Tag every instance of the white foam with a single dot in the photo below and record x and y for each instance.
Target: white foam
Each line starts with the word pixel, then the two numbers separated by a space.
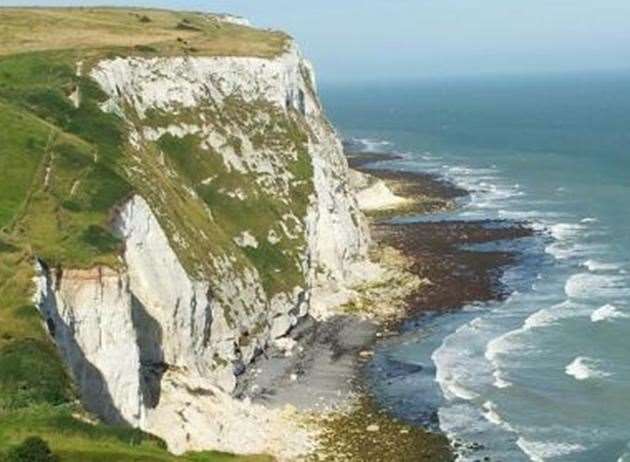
pixel 583 368
pixel 499 381
pixel 589 220
pixel 371 145
pixel 549 316
pixel 503 345
pixel 507 342
pixel 519 214
pixel 540 318
pixel 458 170
pixel 564 231
pixel 539 451
pixel 607 312
pixel 449 374
pixel 594 265
pixel 500 345
pixel 566 244
pixel 491 414
pixel 562 251
pixel 589 285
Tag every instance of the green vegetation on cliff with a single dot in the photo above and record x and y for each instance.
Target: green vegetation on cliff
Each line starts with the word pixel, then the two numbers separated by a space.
pixel 65 168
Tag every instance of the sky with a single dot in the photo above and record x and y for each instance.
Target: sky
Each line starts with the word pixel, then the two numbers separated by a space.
pixel 350 40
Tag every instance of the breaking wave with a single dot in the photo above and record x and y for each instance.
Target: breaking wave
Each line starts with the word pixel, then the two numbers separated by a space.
pixel 589 285
pixel 583 368
pixel 607 312
pixel 539 451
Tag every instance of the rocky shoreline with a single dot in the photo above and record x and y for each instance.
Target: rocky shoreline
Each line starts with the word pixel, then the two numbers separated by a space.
pixel 453 272
pixel 320 371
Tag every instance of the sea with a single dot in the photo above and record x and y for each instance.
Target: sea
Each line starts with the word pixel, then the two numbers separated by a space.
pixel 543 375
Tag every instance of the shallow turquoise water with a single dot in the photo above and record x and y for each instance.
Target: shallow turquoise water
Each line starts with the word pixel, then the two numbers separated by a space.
pixel 544 375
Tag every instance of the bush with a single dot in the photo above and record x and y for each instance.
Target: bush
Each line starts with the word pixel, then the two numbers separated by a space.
pixel 101 239
pixel 31 374
pixel 145 49
pixel 32 449
pixel 185 24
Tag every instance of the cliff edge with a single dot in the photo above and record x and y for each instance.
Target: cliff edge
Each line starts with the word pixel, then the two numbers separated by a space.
pixel 176 202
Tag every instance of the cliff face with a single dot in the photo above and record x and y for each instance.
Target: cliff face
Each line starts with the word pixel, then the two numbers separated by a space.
pixel 241 218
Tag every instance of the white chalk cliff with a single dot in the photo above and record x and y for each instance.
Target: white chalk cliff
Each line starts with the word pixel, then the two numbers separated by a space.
pixel 159 341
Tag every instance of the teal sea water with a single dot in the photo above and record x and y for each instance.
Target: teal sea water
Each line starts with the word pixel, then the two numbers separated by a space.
pixel 545 374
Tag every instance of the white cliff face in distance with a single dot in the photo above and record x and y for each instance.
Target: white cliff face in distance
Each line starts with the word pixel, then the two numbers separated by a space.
pixel 157 343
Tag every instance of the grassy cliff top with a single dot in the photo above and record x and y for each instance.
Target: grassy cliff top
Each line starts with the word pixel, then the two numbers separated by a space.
pixel 161 31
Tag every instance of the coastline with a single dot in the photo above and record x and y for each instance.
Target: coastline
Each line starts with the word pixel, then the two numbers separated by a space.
pixel 324 374
pixel 447 255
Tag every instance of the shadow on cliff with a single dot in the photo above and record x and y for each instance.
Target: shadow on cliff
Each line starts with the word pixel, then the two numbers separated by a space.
pixel 149 340
pixel 91 383
pixel 93 389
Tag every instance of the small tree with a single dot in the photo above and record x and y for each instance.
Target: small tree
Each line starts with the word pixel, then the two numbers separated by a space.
pixel 32 449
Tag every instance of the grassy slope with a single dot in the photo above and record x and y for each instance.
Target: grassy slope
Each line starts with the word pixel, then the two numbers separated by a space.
pixel 35 29
pixel 62 170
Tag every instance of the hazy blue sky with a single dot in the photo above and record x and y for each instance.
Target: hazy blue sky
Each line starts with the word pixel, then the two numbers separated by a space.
pixel 375 39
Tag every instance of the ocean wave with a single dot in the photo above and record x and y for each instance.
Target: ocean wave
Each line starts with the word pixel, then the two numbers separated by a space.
pixel 583 368
pixel 589 220
pixel 369 144
pixel 449 375
pixel 491 414
pixel 594 265
pixel 499 381
pixel 589 285
pixel 539 451
pixel 562 251
pixel 459 170
pixel 607 312
pixel 509 342
pixel 515 214
pixel 542 318
pixel 564 231
pixel 549 316
pixel 505 344
pixel 566 241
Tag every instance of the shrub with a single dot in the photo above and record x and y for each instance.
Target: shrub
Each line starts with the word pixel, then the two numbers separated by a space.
pixel 29 376
pixel 32 449
pixel 185 24
pixel 101 239
pixel 145 49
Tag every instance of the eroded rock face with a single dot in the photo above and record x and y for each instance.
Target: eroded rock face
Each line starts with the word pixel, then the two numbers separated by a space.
pixel 189 88
pixel 141 344
pixel 89 314
pixel 158 342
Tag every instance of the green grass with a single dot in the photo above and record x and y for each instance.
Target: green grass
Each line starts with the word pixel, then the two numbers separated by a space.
pixel 76 440
pixel 20 385
pixel 22 134
pixel 37 29
pixel 62 164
